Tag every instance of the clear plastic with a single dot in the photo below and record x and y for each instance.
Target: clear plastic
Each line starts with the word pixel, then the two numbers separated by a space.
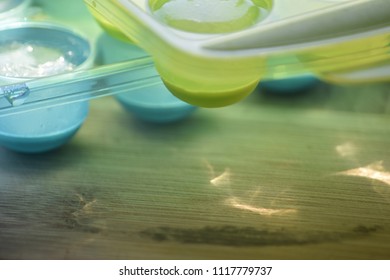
pixel 78 86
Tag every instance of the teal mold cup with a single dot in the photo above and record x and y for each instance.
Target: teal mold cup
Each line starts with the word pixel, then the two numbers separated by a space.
pixel 153 104
pixel 290 85
pixel 33 50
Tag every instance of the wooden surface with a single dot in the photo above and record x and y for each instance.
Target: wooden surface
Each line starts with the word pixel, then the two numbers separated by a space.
pixel 273 177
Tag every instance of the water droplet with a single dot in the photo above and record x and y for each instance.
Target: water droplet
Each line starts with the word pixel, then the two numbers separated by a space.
pixel 15 94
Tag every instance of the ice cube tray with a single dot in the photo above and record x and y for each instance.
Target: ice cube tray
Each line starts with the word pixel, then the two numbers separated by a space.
pixel 29 50
pixel 210 64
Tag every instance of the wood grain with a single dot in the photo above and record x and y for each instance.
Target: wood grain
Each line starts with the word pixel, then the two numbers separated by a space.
pixel 273 177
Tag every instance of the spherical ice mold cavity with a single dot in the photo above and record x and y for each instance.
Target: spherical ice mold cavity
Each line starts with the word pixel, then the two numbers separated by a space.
pixel 30 50
pixel 290 85
pixel 213 59
pixel 155 104
pixel 42 130
pixel 151 104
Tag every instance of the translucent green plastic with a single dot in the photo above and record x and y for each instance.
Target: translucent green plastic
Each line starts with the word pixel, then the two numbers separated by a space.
pixel 210 66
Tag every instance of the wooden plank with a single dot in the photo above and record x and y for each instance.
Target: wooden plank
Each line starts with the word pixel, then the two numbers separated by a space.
pixel 273 177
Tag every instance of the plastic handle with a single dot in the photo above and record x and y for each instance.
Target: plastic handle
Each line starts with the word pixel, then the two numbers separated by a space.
pixel 78 86
pixel 352 17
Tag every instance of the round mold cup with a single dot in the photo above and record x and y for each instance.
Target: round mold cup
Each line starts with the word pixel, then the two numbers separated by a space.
pixel 31 50
pixel 155 104
pixel 289 85
pixel 13 9
pixel 198 78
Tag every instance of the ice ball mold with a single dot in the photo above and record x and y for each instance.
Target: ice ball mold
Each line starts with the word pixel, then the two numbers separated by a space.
pixel 45 49
pixel 218 68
